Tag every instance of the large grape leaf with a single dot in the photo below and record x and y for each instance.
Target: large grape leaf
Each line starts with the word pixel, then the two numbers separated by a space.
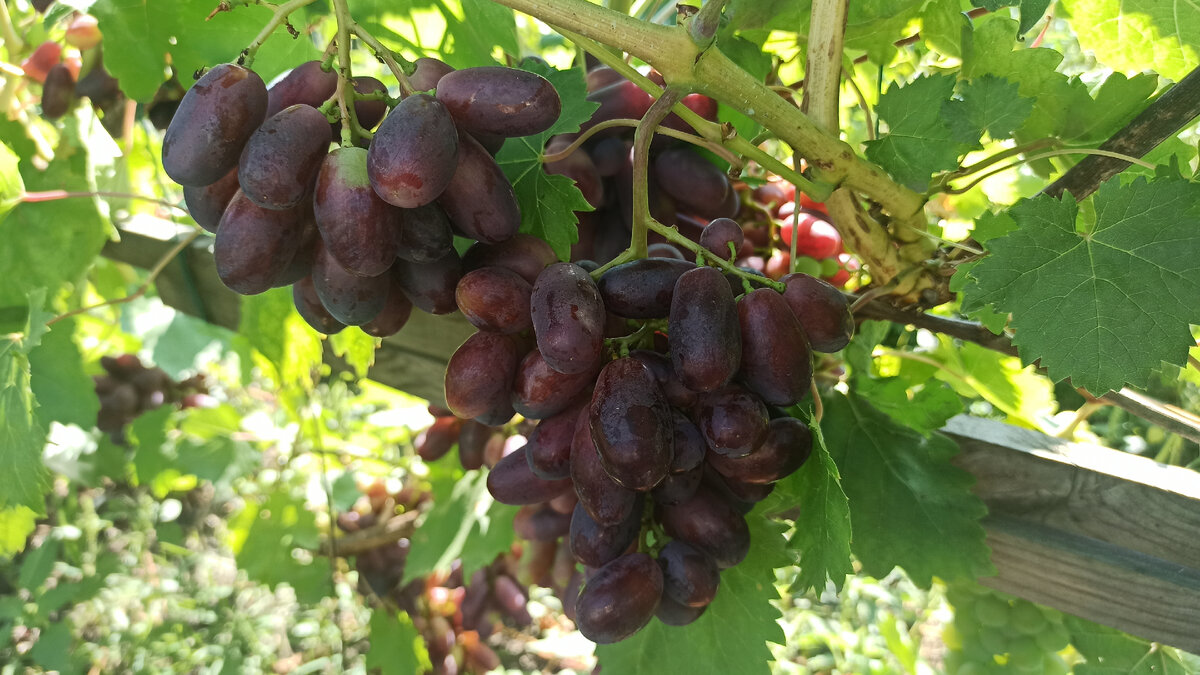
pixel 264 538
pixel 153 33
pixel 548 203
pixel 465 523
pixel 270 325
pixel 731 636
pixel 990 104
pixel 1111 652
pixel 919 141
pixel 22 433
pixel 1134 36
pixel 926 408
pixel 64 391
pixel 815 497
pixel 992 49
pixel 396 646
pixel 910 506
pixel 1105 302
pixel 48 243
pixel 1115 102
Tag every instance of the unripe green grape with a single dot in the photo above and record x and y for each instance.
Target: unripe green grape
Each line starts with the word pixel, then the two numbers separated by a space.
pixel 1025 654
pixel 806 265
pixel 994 641
pixel 830 267
pixel 1027 619
pixel 1054 638
pixel 992 611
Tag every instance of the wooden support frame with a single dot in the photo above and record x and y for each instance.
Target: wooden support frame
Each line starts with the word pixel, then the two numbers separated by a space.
pixel 1094 532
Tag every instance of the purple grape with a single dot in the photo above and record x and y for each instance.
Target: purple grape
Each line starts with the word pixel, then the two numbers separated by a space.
pixel 499 101
pixel 414 154
pixel 212 124
pixel 568 318
pixel 620 599
pixel 642 289
pixel 631 424
pixel 480 373
pixel 511 482
pixel 281 159
pixel 359 228
pixel 706 341
pixel 776 360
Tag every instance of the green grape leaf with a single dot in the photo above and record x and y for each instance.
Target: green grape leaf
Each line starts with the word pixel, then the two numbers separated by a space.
pixel 988 104
pixel 549 202
pixel 1132 37
pixel 465 522
pixel 22 433
pixel 731 636
pixel 1126 288
pixel 989 50
pixel 919 143
pixel 63 390
pixel 1111 652
pixel 910 506
pixel 270 325
pixel 942 26
pixel 357 348
pixel 49 243
pixel 813 495
pixel 149 31
pixel 396 646
pixel 756 14
pixel 1117 101
pixel 484 24
pixel 16 524
pixel 925 408
pixel 11 185
pixel 1016 390
pixel 1031 10
pixel 873 26
pixel 271 532
pixel 38 564
pixel 53 651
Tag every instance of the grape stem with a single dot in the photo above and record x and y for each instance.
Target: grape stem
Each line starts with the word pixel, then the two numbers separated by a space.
pixel 622 345
pixel 1046 155
pixel 277 19
pixel 141 290
pixel 1026 148
pixel 389 58
pixel 53 195
pixel 345 86
pixel 715 148
pixel 711 131
pixel 641 167
pixel 673 236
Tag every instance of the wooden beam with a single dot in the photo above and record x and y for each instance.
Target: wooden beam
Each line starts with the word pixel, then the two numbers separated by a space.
pixel 1102 534
pixel 1091 531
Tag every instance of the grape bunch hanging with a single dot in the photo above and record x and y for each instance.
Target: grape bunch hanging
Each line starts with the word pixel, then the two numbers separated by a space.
pixel 361 234
pixel 660 387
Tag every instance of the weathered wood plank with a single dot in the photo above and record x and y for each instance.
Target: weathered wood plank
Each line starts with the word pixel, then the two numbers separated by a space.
pixel 1091 531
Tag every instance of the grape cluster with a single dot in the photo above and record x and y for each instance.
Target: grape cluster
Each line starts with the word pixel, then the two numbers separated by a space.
pixel 362 234
pixel 660 397
pixel 128 388
pixel 997 633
